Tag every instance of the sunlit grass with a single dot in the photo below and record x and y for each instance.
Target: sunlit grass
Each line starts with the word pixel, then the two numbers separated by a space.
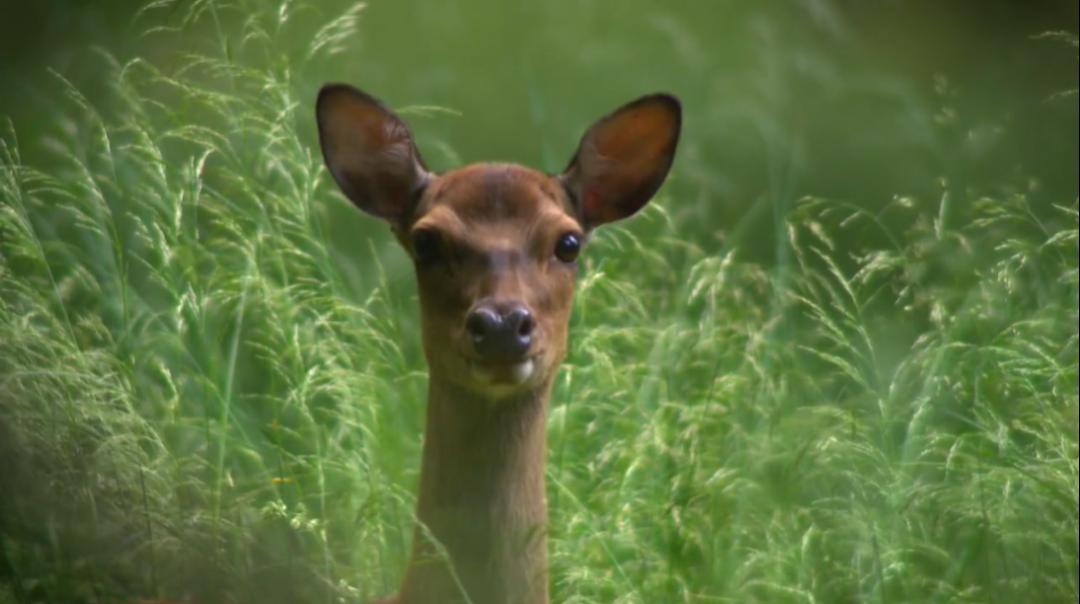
pixel 202 396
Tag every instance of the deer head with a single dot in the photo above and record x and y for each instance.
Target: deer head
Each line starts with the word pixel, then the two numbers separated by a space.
pixel 495 246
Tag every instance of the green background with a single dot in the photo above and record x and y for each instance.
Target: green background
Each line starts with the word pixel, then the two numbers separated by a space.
pixel 835 359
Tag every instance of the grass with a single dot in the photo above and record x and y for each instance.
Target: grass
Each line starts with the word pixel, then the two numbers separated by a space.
pixel 211 386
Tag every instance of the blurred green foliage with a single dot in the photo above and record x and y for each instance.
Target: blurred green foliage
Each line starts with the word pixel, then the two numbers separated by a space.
pixel 835 360
pixel 855 101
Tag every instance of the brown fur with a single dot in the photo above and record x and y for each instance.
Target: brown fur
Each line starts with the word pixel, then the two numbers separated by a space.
pixel 501 223
pixel 481 498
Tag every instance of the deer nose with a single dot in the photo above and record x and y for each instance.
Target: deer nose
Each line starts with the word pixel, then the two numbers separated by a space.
pixel 500 335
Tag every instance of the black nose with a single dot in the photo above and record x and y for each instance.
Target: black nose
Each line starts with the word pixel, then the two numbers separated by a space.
pixel 500 334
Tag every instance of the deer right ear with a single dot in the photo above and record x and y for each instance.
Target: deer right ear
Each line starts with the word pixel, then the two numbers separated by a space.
pixel 369 152
pixel 623 158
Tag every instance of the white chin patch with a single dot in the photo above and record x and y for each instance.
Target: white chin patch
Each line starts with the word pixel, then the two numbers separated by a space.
pixel 506 377
pixel 522 371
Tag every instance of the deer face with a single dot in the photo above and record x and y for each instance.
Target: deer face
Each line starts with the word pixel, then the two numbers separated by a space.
pixel 495 246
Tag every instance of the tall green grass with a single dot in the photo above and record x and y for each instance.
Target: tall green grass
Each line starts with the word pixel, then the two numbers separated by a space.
pixel 206 395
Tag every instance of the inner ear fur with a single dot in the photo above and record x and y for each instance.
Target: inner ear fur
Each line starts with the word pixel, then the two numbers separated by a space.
pixel 369 152
pixel 623 159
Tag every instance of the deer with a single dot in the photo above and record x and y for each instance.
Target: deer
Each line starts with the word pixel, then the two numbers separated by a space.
pixel 495 248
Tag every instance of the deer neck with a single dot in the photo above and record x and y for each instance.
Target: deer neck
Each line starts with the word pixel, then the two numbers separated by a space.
pixel 482 498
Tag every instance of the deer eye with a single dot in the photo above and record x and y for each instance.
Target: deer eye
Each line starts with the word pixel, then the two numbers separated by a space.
pixel 567 247
pixel 426 247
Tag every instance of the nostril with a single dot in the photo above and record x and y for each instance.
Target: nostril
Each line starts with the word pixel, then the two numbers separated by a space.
pixel 525 325
pixel 521 325
pixel 481 323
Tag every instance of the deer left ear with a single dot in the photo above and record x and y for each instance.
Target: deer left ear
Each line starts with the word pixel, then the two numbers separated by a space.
pixel 623 159
pixel 370 152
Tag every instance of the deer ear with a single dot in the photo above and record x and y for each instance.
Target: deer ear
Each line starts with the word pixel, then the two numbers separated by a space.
pixel 623 158
pixel 369 152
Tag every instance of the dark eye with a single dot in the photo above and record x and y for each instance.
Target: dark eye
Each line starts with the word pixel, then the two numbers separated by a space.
pixel 567 247
pixel 427 247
